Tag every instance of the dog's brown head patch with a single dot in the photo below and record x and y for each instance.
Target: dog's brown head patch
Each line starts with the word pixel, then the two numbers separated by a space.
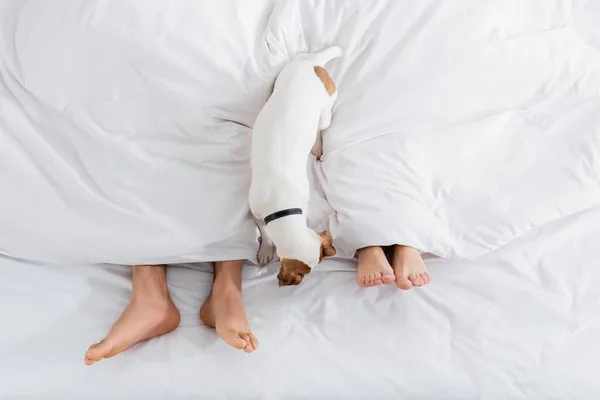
pixel 292 272
pixel 326 79
pixel 327 249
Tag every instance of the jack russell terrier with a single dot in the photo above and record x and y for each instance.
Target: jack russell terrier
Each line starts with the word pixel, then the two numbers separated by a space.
pixel 284 133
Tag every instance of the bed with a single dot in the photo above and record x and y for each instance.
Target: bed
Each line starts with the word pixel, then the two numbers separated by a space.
pixel 520 323
pixel 469 130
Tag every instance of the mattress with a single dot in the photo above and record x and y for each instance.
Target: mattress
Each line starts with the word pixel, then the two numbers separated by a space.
pixel 520 323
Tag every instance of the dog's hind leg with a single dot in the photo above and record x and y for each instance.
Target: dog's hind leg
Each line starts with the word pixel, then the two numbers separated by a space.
pixel 266 250
pixel 325 117
pixel 317 148
pixel 324 122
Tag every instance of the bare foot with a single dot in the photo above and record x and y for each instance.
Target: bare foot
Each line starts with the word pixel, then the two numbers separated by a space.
pixel 373 267
pixel 223 309
pixel 150 313
pixel 409 268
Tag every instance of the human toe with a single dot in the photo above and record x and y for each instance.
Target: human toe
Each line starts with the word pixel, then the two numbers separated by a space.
pixel 362 281
pixel 248 345
pixel 415 279
pixel 403 283
pixel 253 340
pixel 97 352
pixel 234 340
pixel 372 279
pixel 388 278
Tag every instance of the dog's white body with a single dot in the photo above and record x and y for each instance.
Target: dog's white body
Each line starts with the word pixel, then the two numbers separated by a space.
pixel 284 133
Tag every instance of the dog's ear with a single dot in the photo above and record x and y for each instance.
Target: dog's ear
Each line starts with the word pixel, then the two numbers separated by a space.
pixel 291 272
pixel 327 249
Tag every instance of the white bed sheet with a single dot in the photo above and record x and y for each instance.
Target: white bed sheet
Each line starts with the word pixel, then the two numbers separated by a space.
pixel 520 323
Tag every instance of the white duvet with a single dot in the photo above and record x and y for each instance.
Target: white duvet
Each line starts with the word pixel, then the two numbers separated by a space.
pixel 125 126
pixel 461 125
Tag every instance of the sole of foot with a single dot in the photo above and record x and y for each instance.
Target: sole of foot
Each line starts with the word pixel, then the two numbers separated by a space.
pixel 409 268
pixel 373 267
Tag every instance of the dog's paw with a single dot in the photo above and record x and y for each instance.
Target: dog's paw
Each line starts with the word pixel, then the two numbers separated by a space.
pixel 266 253
pixel 317 150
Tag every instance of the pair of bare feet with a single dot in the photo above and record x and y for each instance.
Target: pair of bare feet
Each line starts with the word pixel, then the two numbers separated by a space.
pixel 407 268
pixel 152 313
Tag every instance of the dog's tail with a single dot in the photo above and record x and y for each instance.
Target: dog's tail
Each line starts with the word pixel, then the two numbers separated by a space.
pixel 326 55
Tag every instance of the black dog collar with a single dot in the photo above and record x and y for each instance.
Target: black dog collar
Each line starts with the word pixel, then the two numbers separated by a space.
pixel 282 213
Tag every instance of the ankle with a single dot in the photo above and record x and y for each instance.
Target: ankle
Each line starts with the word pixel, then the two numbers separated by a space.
pixel 403 248
pixel 223 287
pixel 148 272
pixel 369 250
pixel 149 285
